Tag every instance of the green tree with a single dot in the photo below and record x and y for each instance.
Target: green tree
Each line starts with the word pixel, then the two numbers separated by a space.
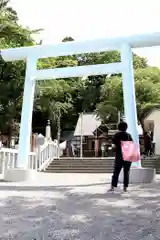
pixel 86 92
pixel 11 89
pixel 12 34
pixel 54 98
pixel 92 92
pixel 69 114
pixel 11 73
pixel 147 94
pixel 7 12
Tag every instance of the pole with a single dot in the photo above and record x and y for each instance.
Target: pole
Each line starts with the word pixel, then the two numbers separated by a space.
pixel 119 116
pixel 59 132
pixel 96 143
pixel 81 146
pixel 129 95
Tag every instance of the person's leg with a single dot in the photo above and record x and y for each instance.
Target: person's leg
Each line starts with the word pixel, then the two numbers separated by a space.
pixel 116 172
pixel 150 150
pixel 145 151
pixel 126 170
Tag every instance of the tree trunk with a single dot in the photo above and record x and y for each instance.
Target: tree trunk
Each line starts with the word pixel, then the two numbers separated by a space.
pixel 142 125
pixel 9 136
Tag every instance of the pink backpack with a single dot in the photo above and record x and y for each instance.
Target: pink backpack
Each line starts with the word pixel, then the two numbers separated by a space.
pixel 130 151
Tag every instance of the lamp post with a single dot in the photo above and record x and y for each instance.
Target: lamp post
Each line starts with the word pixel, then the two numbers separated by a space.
pixel 119 116
pixel 59 131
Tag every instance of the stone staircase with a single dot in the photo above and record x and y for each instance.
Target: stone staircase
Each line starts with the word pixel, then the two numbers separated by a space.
pixel 152 162
pixel 85 165
pixel 93 165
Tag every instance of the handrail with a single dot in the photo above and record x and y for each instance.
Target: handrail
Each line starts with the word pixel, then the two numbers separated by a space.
pixel 9 157
pixel 37 160
pixel 47 154
pixel 8 150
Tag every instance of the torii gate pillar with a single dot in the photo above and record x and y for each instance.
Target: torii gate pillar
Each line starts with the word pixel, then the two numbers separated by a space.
pixel 27 109
pixel 129 98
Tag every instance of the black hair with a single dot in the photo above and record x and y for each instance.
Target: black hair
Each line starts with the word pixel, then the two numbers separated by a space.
pixel 122 126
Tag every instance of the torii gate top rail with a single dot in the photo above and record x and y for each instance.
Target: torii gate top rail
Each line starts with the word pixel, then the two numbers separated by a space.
pixel 70 48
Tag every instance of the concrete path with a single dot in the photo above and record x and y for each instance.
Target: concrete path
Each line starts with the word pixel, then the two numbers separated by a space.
pixel 77 206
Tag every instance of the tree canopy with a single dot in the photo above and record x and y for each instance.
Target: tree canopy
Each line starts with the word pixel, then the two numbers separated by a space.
pixel 147 87
pixel 11 74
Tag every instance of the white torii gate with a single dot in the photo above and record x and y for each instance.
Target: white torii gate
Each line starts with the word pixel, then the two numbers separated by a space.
pixel 33 53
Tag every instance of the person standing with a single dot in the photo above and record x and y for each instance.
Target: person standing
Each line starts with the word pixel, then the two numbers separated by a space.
pixel 147 144
pixel 119 163
pixel 74 150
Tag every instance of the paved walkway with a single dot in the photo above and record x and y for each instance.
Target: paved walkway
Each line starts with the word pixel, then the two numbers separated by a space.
pixel 77 206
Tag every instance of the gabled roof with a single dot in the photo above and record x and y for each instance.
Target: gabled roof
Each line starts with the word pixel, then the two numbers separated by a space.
pixel 89 122
pixel 149 111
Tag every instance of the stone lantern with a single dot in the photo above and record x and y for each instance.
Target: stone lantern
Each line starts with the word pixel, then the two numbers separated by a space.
pixel 48 131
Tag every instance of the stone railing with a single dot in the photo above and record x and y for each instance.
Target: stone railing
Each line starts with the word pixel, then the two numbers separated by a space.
pixel 46 153
pixel 9 157
pixel 37 160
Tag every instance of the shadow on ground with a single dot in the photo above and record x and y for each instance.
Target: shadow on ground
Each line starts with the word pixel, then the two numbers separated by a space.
pixel 84 212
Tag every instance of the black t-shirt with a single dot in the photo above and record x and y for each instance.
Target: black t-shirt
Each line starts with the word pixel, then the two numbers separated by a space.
pixel 117 138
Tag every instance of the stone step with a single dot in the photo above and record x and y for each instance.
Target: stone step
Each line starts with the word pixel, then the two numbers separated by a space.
pixel 92 166
pixel 80 167
pixel 73 167
pixel 89 166
pixel 82 170
pixel 84 161
pixel 102 158
pixel 152 164
pixel 78 164
pixel 98 162
pixel 81 164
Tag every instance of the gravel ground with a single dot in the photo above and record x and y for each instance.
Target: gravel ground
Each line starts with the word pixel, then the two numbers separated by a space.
pixel 77 206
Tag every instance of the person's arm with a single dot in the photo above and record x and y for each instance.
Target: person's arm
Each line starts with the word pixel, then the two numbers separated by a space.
pixel 113 145
pixel 114 141
pixel 130 138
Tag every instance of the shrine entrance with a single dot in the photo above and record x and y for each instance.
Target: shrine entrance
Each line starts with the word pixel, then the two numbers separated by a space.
pixel 33 53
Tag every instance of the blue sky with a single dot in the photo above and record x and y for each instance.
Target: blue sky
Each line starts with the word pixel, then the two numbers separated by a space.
pixel 92 19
